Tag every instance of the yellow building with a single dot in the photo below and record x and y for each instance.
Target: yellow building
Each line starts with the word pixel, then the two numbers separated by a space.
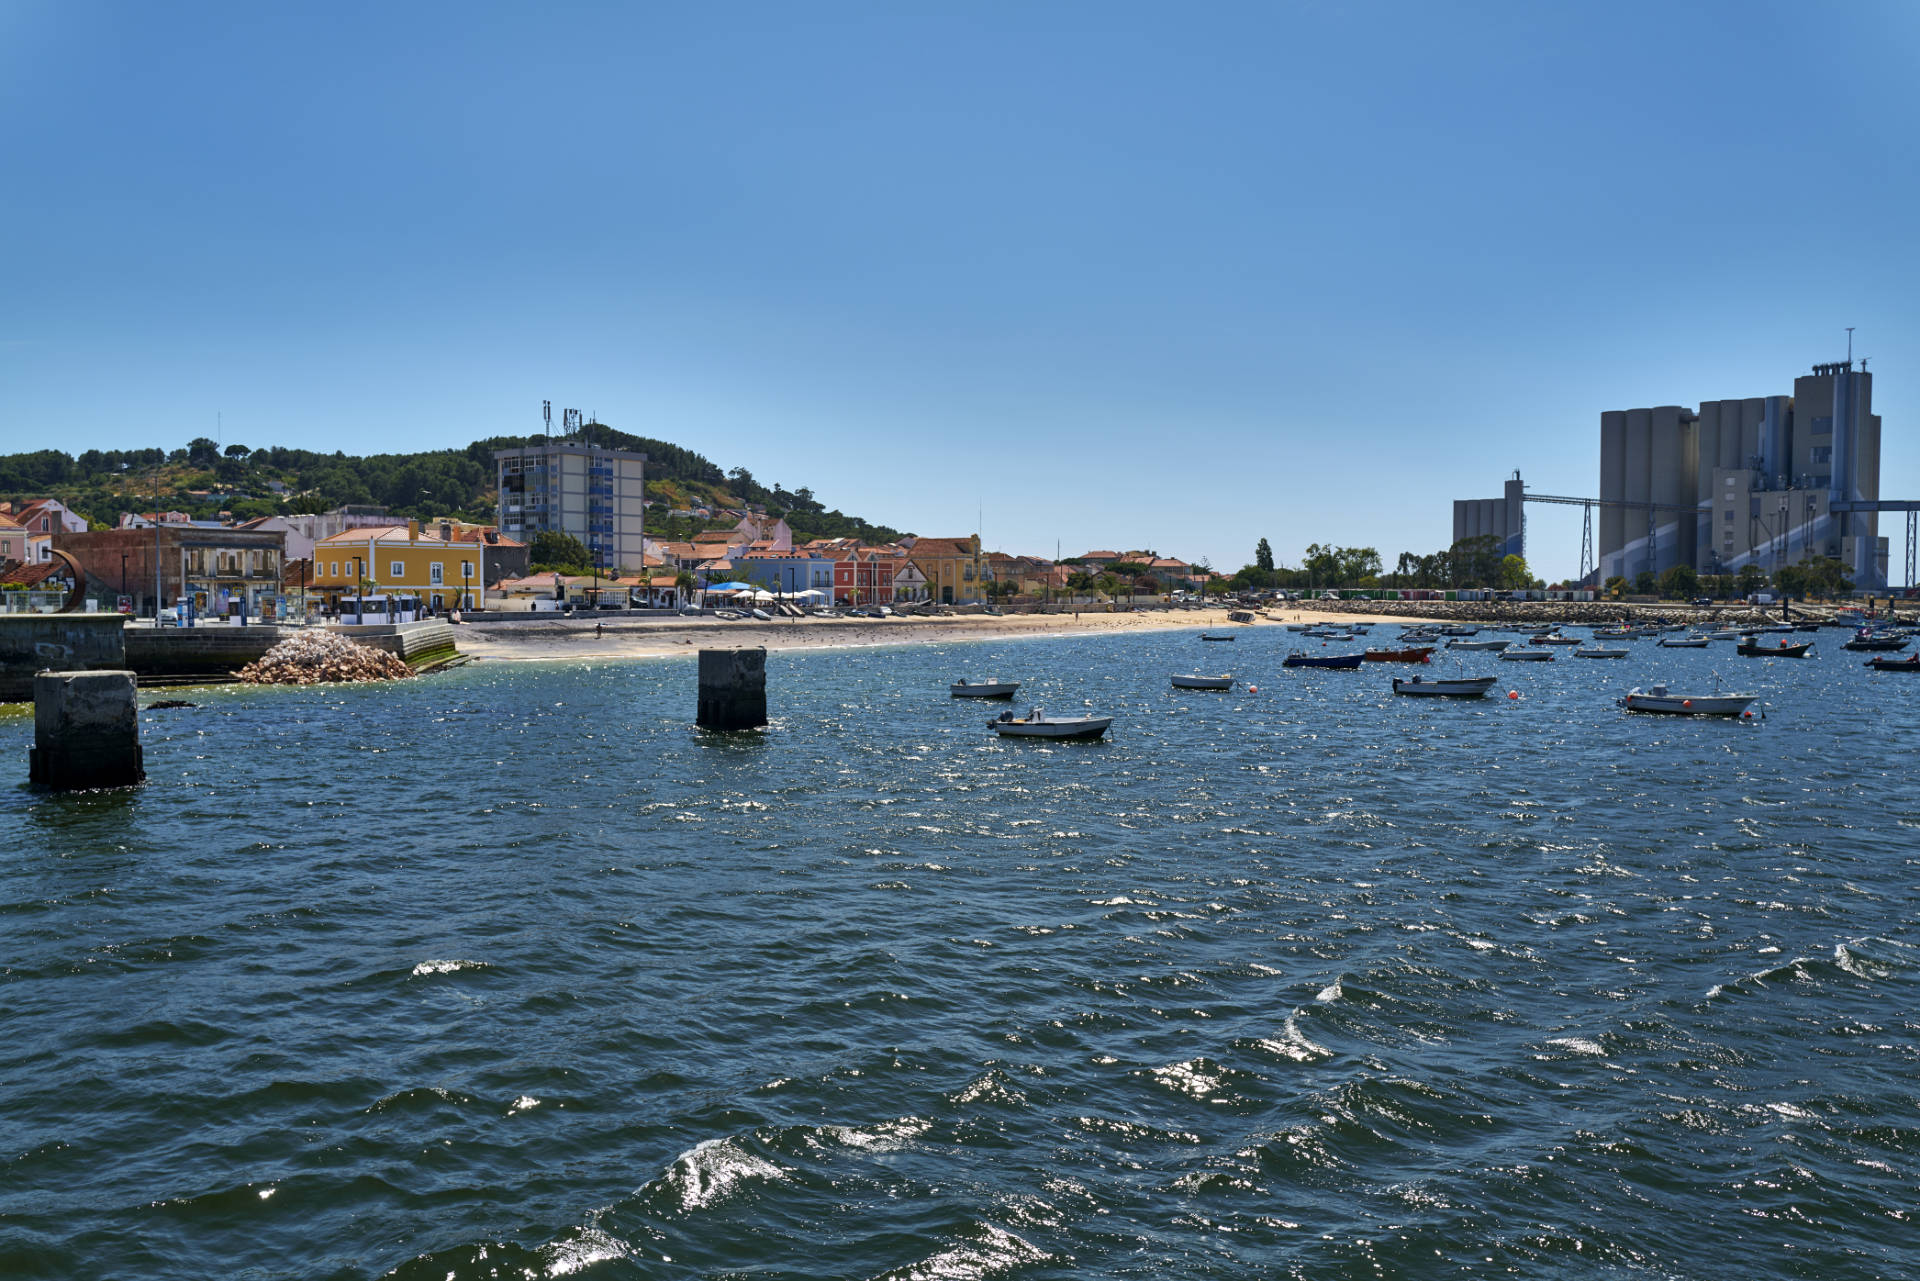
pixel 398 559
pixel 955 570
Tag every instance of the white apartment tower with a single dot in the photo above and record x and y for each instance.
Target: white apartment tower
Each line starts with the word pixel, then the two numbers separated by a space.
pixel 597 495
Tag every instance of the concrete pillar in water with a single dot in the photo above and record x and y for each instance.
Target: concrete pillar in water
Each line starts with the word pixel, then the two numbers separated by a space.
pixel 86 731
pixel 733 689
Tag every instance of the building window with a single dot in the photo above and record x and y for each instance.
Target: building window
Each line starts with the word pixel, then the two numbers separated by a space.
pixel 1823 453
pixel 1823 426
pixel 333 569
pixel 1729 515
pixel 466 569
pixel 436 574
pixel 397 570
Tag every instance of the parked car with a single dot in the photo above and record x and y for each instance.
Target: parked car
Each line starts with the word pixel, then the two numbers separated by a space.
pixel 1703 601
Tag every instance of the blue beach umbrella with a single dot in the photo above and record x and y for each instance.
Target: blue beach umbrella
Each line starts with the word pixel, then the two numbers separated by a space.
pixel 729 587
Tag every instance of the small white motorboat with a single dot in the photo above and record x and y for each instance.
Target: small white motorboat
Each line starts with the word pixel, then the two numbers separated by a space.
pixel 1554 638
pixel 1658 698
pixel 1455 687
pixel 1036 724
pixel 1203 682
pixel 1726 633
pixel 1599 651
pixel 1525 655
pixel 964 688
pixel 1489 646
pixel 1684 642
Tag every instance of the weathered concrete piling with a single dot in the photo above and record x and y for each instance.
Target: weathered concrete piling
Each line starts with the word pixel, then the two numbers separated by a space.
pixel 733 689
pixel 86 731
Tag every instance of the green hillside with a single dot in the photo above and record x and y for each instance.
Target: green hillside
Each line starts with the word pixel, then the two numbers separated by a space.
pixel 204 480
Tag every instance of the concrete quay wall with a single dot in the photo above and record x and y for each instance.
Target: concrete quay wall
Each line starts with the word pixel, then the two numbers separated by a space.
pixel 199 651
pixel 31 643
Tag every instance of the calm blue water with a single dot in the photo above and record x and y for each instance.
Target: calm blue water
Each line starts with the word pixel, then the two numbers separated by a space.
pixel 511 973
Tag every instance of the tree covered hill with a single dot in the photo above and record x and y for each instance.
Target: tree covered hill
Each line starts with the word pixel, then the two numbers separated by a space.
pixel 204 480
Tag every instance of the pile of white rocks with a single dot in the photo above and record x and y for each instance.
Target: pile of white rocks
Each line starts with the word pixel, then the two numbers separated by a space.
pixel 318 658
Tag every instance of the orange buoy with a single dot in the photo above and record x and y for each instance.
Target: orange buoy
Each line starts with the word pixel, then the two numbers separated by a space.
pixel 1513 693
pixel 1253 689
pixel 1686 702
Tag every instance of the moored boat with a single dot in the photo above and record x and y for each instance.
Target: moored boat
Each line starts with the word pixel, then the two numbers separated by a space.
pixel 1658 698
pixel 1489 646
pixel 1333 662
pixel 1209 636
pixel 1599 651
pixel 1203 682
pixel 1445 687
pixel 964 688
pixel 1525 655
pixel 1877 642
pixel 1411 654
pixel 1911 663
pixel 1554 638
pixel 1684 642
pixel 1036 724
pixel 1751 647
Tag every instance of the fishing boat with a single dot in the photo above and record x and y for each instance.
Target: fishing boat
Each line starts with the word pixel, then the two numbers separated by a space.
pixel 1684 642
pixel 1459 629
pixel 1444 687
pixel 1725 634
pixel 1869 642
pixel 1525 655
pixel 1412 654
pixel 1911 663
pixel 1554 638
pixel 964 688
pixel 1479 645
pixel 1036 724
pixel 1659 698
pixel 1751 647
pixel 1333 662
pixel 1613 633
pixel 1599 651
pixel 1209 636
pixel 1203 682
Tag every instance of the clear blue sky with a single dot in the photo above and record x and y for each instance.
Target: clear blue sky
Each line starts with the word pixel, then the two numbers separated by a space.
pixel 1167 275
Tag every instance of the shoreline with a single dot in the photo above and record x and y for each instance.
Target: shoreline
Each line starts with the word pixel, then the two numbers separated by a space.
pixel 658 638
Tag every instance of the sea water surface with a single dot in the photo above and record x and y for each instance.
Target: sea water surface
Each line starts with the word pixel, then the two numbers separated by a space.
pixel 510 972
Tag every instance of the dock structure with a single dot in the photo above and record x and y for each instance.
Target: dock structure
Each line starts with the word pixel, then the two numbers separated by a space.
pixel 86 731
pixel 733 689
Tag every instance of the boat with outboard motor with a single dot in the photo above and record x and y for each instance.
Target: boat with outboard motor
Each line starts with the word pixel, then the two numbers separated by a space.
pixel 1036 724
pixel 1911 663
pixel 1209 636
pixel 1599 651
pixel 1658 698
pixel 1684 642
pixel 1484 646
pixel 1750 647
pixel 1443 687
pixel 1866 641
pixel 1203 682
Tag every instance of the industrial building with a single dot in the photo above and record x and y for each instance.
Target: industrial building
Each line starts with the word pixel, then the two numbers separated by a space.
pixel 1501 517
pixel 597 495
pixel 1742 482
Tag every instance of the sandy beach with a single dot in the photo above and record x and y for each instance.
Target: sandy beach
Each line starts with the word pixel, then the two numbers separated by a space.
pixel 609 636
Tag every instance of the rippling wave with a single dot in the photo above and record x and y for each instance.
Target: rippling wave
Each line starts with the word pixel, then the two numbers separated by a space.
pixel 510 972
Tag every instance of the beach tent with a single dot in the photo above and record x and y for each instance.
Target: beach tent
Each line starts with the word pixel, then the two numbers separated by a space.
pixel 763 596
pixel 812 593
